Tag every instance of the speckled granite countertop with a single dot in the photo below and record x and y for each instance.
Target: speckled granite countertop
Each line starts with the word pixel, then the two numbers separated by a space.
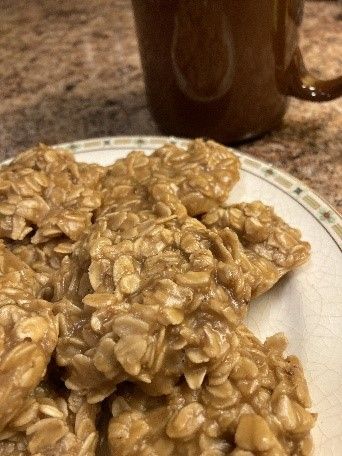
pixel 70 70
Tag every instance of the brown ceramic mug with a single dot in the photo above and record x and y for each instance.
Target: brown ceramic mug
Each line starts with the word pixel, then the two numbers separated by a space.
pixel 223 68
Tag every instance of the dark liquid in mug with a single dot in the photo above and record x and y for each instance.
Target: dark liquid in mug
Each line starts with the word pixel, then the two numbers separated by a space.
pixel 209 66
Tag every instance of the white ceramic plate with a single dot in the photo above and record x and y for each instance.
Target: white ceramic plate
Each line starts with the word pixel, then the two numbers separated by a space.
pixel 306 304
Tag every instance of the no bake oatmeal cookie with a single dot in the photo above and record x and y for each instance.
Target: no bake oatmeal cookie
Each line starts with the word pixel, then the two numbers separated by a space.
pixel 135 280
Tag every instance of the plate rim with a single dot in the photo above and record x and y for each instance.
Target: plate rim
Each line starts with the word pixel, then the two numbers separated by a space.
pixel 322 211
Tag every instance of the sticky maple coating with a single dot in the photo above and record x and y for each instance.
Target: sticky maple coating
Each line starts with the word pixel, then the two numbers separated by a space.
pixel 201 176
pixel 43 258
pixel 269 244
pixel 28 333
pixel 255 402
pixel 51 423
pixel 45 193
pixel 160 293
pixel 158 290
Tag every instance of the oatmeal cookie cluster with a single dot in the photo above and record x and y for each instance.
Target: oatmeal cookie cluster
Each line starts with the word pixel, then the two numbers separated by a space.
pixel 123 292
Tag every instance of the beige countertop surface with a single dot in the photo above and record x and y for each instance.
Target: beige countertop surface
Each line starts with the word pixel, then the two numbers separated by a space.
pixel 71 70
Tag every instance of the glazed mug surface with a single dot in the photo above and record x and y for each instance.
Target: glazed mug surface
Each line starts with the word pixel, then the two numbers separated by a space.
pixel 223 68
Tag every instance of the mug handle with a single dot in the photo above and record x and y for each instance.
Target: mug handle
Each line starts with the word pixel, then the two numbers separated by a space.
pixel 301 84
pixel 292 75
